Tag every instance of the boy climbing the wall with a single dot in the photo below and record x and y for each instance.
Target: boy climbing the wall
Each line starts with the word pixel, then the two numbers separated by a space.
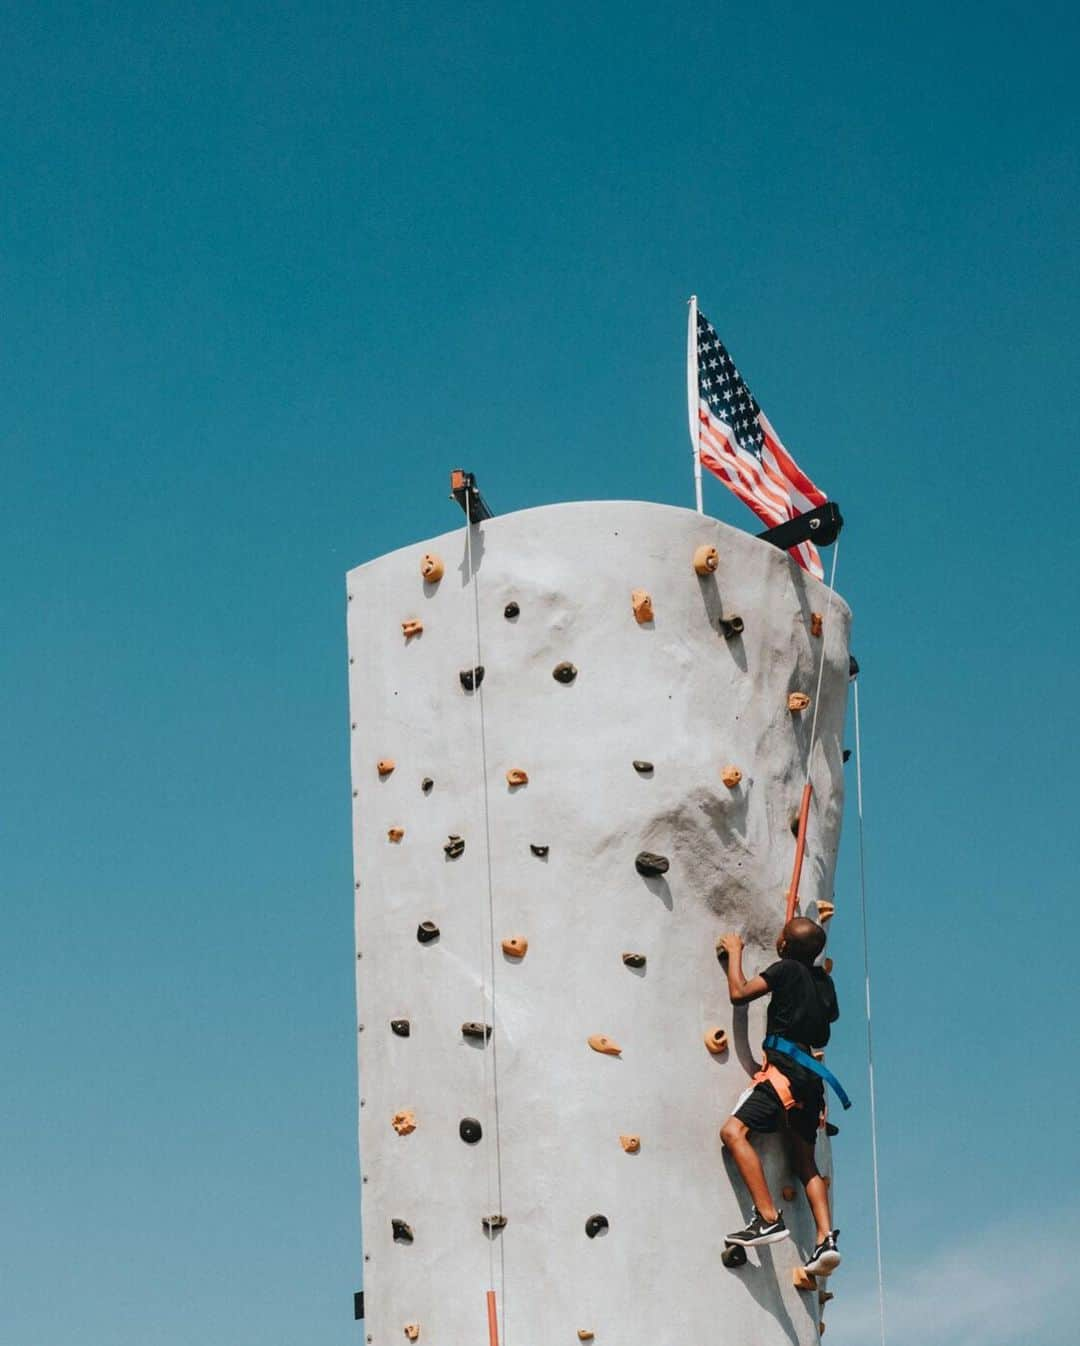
pixel 787 1093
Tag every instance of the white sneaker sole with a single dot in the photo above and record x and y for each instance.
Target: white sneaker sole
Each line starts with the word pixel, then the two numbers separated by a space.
pixel 825 1265
pixel 778 1237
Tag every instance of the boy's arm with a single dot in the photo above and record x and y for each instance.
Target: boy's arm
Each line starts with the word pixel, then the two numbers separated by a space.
pixel 739 989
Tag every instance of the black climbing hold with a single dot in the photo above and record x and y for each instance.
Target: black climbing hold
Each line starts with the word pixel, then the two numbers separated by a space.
pixel 493 1222
pixel 402 1231
pixel 541 851
pixel 794 825
pixel 643 768
pixel 831 1129
pixel 731 626
pixel 401 1027
pixel 511 611
pixel 847 754
pixel 594 1224
pixel 427 784
pixel 455 846
pixel 426 931
pixel 470 1130
pixel 564 672
pixel 475 1030
pixel 651 865
pixel 734 1255
pixel 634 959
pixel 472 677
pixel 852 667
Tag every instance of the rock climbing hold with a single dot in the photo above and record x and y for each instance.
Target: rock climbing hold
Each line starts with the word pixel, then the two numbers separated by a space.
pixel 788 1193
pixel 852 667
pixel 731 627
pixel 605 1046
pixel 827 964
pixel 817 1053
pixel 431 567
pixel 454 846
pixel 594 1224
pixel 471 678
pixel 475 1030
pixel 803 1279
pixel 706 559
pixel 825 911
pixel 385 765
pixel 821 1329
pixel 412 628
pixel 642 605
pixel 823 1296
pixel 470 1130
pixel 401 1027
pixel 541 851
pixel 631 1144
pixel 412 1331
pixel 817 623
pixel 650 864
pixel 797 701
pixel 734 1255
pixel 395 833
pixel 731 775
pixel 584 1334
pixel 515 947
pixel 716 1040
pixel 402 1231
pixel 404 1123
pixel 511 611
pixel 427 785
pixel 564 672
pixel 493 1222
pixel 793 826
pixel 515 776
pixel 831 1129
pixel 634 959
pixel 426 931
pixel 641 767
pixel 846 755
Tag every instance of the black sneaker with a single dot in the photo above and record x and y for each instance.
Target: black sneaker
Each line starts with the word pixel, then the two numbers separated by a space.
pixel 760 1230
pixel 825 1258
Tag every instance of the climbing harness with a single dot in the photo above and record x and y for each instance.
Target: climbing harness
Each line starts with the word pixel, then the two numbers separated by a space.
pixel 774 1043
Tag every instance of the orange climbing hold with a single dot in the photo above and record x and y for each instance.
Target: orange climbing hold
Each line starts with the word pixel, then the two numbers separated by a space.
pixel 395 833
pixel 515 947
pixel 797 701
pixel 817 623
pixel 404 1122
pixel 432 568
pixel 803 1279
pixel 731 775
pixel 825 911
pixel 642 604
pixel 515 776
pixel 631 1144
pixel 827 964
pixel 706 559
pixel 385 765
pixel 823 1297
pixel 585 1334
pixel 412 628
pixel 716 1040
pixel 412 1331
pixel 605 1046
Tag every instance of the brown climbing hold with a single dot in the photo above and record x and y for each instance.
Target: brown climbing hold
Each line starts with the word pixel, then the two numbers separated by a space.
pixel 395 833
pixel 817 623
pixel 400 1027
pixel 651 865
pixel 731 627
pixel 605 1046
pixel 797 701
pixel 642 767
pixel 385 765
pixel 821 1329
pixel 431 567
pixel 634 959
pixel 788 1193
pixel 515 776
pixel 564 672
pixel 731 775
pixel 404 1123
pixel 716 1041
pixel 584 1334
pixel 476 1030
pixel 823 1296
pixel 426 931
pixel 706 559
pixel 515 947
pixel 454 846
pixel 412 628
pixel 631 1144
pixel 402 1231
pixel 642 605
pixel 493 1222
pixel 825 911
pixel 803 1279
pixel 511 611
pixel 412 1331
pixel 827 964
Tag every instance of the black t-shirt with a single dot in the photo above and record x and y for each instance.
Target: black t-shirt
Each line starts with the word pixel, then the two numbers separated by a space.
pixel 801 1008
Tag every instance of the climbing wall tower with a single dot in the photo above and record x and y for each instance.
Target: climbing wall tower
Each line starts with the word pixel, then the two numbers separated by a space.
pixel 576 762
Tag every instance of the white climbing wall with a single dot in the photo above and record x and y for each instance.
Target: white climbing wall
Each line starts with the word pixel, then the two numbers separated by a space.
pixel 674 692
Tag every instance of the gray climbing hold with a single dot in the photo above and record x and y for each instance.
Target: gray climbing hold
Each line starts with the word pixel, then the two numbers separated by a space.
pixel 426 931
pixel 470 1130
pixel 642 768
pixel 427 784
pixel 594 1224
pixel 511 611
pixel 731 626
pixel 564 672
pixel 651 865
pixel 400 1027
pixel 634 959
pixel 541 851
pixel 475 1030
pixel 471 678
pixel 402 1232
pixel 454 846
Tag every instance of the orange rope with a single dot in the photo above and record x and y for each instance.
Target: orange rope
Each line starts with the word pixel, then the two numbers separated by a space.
pixel 493 1320
pixel 800 850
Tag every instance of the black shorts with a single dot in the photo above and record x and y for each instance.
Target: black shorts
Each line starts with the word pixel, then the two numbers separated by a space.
pixel 762 1110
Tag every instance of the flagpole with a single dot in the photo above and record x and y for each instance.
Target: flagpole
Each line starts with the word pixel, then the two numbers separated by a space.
pixel 692 399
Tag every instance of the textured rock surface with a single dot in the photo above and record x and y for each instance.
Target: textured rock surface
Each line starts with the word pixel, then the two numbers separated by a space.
pixel 673 692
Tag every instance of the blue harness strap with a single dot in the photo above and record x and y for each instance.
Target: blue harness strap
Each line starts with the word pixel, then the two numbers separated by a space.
pixel 778 1044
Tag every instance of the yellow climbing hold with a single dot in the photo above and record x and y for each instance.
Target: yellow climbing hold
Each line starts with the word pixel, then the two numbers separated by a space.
pixel 706 559
pixel 395 833
pixel 803 1279
pixel 642 604
pixel 385 765
pixel 431 567
pixel 515 947
pixel 515 776
pixel 605 1046
pixel 631 1144
pixel 797 701
pixel 411 628
pixel 731 775
pixel 404 1122
pixel 716 1040
pixel 412 1331
pixel 585 1334
pixel 825 911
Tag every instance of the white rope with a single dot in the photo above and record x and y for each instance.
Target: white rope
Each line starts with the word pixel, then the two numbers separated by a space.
pixel 487 996
pixel 821 665
pixel 869 1029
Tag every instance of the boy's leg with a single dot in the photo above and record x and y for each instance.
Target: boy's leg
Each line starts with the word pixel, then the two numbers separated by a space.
pixel 735 1135
pixel 817 1194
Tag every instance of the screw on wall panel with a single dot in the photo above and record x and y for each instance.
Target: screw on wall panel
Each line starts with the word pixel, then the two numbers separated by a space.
pixel 650 864
pixel 730 627
pixel 367 1258
pixel 355 793
pixel 364 1178
pixel 353 725
pixel 363 1102
pixel 351 659
pixel 564 672
pixel 359 955
pixel 359 1028
pixel 595 1224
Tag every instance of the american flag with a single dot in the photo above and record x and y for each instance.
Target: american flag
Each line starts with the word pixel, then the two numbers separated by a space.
pixel 735 441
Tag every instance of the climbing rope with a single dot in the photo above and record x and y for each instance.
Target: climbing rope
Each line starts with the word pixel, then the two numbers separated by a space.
pixel 869 1027
pixel 487 978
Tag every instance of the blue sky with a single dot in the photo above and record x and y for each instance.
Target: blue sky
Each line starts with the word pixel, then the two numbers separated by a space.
pixel 266 275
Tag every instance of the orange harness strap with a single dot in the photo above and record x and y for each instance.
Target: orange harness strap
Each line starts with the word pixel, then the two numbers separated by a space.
pixel 769 1074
